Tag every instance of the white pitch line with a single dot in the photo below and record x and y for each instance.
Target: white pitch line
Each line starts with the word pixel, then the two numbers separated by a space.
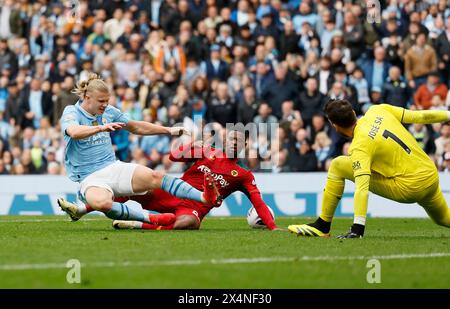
pixel 9 267
pixel 47 220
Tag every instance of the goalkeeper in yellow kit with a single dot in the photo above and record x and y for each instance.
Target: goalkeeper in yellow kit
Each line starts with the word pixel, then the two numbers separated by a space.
pixel 384 158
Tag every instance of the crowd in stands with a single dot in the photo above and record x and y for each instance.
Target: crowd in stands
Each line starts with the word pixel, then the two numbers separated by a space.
pixel 220 61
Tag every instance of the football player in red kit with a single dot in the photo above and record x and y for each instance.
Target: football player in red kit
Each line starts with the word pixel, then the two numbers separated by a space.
pixel 210 165
pixel 225 170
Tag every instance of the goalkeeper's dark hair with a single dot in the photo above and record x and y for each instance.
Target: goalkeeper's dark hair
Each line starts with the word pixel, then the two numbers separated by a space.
pixel 340 112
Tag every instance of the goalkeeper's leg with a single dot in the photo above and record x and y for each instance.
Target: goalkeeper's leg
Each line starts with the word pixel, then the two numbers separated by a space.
pixel 340 170
pixel 435 205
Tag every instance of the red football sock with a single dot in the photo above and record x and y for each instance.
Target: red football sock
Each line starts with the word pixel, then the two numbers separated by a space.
pixel 89 209
pixel 164 219
pixel 149 226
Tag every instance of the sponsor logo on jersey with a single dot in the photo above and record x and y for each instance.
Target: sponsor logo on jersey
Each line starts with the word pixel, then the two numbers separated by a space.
pixel 234 173
pixel 356 165
pixel 218 178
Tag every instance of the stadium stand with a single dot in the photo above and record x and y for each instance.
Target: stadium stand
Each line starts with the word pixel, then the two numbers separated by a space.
pixel 219 61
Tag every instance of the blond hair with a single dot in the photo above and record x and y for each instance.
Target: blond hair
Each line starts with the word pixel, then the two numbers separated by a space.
pixel 93 83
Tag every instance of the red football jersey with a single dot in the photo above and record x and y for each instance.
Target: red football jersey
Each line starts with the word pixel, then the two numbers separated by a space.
pixel 229 175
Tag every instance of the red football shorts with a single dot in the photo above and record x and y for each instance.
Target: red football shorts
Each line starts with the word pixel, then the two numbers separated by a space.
pixel 163 202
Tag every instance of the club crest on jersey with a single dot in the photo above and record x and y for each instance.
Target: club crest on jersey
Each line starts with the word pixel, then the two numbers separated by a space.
pixel 356 165
pixel 234 173
pixel 212 157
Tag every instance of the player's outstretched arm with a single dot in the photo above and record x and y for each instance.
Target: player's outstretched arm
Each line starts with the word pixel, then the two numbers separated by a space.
pixel 361 198
pixel 81 131
pixel 361 202
pixel 418 116
pixel 147 128
pixel 251 190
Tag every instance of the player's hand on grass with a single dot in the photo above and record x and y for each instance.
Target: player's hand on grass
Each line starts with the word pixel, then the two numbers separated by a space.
pixel 113 126
pixel 179 131
pixel 356 231
pixel 349 235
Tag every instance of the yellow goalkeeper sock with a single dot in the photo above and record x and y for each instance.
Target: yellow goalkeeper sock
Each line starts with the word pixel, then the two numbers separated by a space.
pixel 331 197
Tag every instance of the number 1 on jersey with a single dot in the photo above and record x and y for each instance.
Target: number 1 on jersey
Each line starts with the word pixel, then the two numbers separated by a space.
pixel 388 134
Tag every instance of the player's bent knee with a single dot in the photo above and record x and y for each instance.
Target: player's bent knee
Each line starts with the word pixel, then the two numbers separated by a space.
pixel 99 199
pixel 157 178
pixel 104 205
pixel 186 223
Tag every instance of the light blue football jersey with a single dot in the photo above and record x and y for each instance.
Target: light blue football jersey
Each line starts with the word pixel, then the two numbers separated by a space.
pixel 85 156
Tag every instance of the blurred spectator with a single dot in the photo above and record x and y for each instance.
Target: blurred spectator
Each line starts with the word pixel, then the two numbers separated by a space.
pixel 264 119
pixel 8 59
pixel 222 108
pixel 420 60
pixel 353 35
pixel 395 91
pixel 3 170
pixel 126 67
pixel 375 96
pixel 322 147
pixel 310 100
pixel 289 40
pixel 54 168
pixel 303 160
pixel 288 113
pixel 267 26
pixel 324 76
pixel 35 104
pixel 433 86
pixel 282 90
pixel 305 14
pixel 443 139
pixel 361 85
pixel 443 53
pixel 420 133
pixel 214 67
pixel 171 56
pixel 115 26
pixel 6 129
pixel 263 78
pixel 121 143
pixel 64 98
pixel 155 147
pixel 376 71
pixel 247 106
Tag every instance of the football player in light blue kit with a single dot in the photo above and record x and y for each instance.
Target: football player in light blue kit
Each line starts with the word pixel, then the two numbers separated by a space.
pixel 90 159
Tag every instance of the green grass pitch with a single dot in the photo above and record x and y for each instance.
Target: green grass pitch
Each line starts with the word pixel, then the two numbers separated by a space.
pixel 225 253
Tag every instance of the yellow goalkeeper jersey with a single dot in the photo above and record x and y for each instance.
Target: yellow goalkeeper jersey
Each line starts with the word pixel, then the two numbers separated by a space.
pixel 382 145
